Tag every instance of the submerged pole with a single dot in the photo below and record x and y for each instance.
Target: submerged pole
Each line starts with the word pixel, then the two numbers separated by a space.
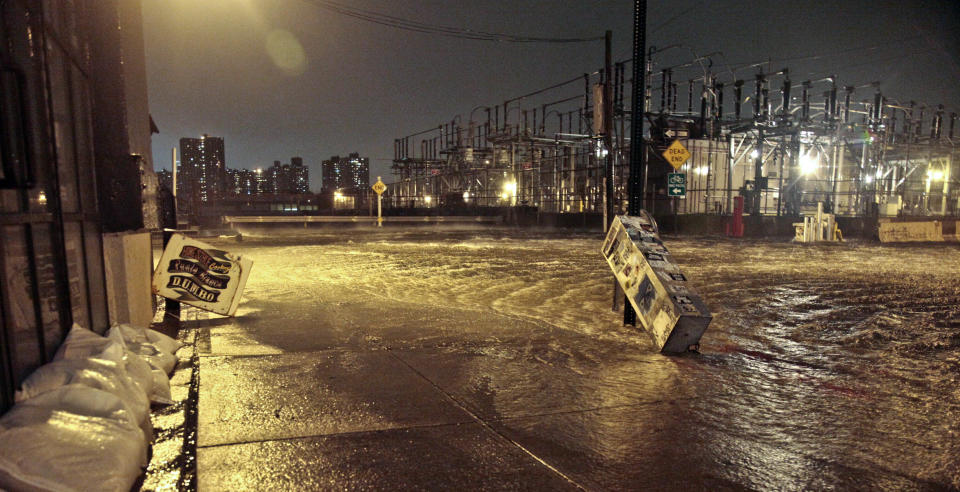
pixel 637 145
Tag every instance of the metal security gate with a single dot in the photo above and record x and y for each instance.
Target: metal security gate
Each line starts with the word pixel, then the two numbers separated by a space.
pixel 51 259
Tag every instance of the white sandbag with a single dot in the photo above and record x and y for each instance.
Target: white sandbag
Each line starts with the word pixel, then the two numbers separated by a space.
pixel 127 333
pixel 81 343
pixel 135 339
pixel 163 342
pixel 161 387
pixel 137 334
pixel 99 374
pixel 83 400
pixel 88 444
pixel 154 356
pixel 91 402
pixel 142 373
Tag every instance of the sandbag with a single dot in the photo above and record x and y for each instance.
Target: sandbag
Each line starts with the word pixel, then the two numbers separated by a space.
pixel 136 340
pixel 157 358
pixel 127 333
pixel 152 381
pixel 84 400
pixel 71 438
pixel 130 333
pixel 83 343
pixel 99 374
pixel 161 387
pixel 163 342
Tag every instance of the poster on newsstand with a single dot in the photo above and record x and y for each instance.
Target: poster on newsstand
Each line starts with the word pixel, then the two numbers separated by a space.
pixel 200 275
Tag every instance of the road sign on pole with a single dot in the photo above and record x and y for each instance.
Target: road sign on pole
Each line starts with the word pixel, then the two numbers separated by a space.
pixel 379 187
pixel 676 154
pixel 676 184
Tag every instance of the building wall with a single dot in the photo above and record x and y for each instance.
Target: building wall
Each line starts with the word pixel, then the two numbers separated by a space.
pixel 137 108
pixel 69 82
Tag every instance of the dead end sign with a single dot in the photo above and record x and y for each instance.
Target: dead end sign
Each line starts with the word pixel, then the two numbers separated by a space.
pixel 201 275
pixel 676 154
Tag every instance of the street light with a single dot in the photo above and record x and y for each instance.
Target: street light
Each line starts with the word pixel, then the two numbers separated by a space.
pixel 809 163
pixel 935 175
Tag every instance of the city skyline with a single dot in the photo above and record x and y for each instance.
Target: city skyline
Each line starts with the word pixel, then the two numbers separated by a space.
pixel 211 174
pixel 294 160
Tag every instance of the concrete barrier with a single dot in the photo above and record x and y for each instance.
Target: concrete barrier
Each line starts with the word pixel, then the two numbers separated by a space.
pixel 128 266
pixel 903 231
pixel 353 219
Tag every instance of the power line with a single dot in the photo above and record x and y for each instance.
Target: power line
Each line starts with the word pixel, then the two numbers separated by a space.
pixel 741 66
pixel 448 31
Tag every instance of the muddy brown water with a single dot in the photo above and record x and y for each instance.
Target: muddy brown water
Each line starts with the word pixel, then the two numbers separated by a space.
pixel 825 365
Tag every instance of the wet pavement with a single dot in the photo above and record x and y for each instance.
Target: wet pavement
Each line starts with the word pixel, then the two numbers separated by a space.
pixel 173 454
pixel 490 359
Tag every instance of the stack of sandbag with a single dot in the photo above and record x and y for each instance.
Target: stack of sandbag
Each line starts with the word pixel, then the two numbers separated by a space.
pixel 82 421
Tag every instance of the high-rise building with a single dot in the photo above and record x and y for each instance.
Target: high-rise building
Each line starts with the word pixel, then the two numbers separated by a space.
pixel 165 179
pixel 346 174
pixel 262 184
pixel 202 173
pixel 243 182
pixel 299 176
pixel 288 179
pixel 275 177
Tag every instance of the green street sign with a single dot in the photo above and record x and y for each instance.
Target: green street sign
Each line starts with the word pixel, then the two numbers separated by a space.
pixel 677 184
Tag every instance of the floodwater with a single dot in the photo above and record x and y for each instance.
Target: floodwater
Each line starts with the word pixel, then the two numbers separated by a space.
pixel 825 366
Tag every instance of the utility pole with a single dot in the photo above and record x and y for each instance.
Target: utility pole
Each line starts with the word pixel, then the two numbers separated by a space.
pixel 171 310
pixel 608 126
pixel 173 163
pixel 638 149
pixel 608 212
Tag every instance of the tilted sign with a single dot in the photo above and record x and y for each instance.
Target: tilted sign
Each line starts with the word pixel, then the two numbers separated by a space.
pixel 201 275
pixel 667 307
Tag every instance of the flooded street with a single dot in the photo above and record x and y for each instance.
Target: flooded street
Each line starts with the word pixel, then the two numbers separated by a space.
pixel 825 366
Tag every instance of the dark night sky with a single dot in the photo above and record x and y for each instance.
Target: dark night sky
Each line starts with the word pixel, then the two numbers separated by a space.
pixel 356 86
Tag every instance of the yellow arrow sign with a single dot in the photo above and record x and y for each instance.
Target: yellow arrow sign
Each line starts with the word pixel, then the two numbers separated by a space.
pixel 676 154
pixel 379 187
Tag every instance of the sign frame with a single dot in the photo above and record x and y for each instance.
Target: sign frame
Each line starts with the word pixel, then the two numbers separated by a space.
pixel 201 275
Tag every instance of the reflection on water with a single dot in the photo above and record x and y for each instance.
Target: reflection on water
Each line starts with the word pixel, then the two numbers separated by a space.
pixel 825 365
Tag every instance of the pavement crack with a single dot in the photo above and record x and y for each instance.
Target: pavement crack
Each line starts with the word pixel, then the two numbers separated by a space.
pixel 331 435
pixel 487 425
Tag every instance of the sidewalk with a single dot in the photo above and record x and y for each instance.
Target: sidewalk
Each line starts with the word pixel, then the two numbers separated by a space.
pixel 343 418
pixel 357 403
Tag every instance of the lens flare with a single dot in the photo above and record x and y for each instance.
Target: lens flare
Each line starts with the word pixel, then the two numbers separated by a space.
pixel 286 52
